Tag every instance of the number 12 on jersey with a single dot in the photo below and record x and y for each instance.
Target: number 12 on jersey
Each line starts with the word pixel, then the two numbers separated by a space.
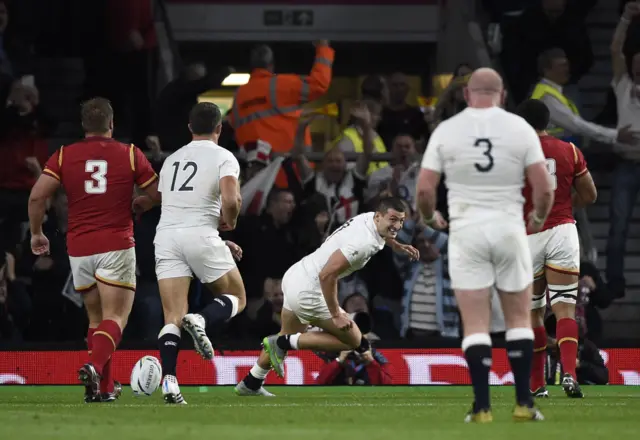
pixel 189 169
pixel 551 167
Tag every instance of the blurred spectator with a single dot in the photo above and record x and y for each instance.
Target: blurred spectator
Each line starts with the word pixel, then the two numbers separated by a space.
pixel 352 368
pixel 374 87
pixel 23 151
pixel 256 156
pixel 429 304
pixel 132 44
pixel 399 117
pixel 342 188
pixel 269 242
pixel 53 316
pixel 6 68
pixel 171 116
pixel 269 106
pixel 352 138
pixel 566 122
pixel 548 24
pixel 390 177
pixel 451 101
pixel 268 317
pixel 592 295
pixel 626 177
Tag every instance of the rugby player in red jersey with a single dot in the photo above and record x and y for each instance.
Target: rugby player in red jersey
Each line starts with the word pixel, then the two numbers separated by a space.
pixel 98 175
pixel 555 250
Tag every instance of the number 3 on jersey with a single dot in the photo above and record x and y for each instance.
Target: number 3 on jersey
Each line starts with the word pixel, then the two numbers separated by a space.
pixel 487 145
pixel 98 182
pixel 551 167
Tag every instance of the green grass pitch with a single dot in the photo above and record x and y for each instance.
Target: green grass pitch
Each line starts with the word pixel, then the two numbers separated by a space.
pixel 311 413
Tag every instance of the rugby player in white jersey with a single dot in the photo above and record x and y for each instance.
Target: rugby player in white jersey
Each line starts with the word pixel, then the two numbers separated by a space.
pixel 486 153
pixel 199 184
pixel 310 290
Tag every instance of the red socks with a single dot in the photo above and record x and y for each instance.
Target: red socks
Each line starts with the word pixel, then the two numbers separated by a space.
pixel 90 333
pixel 105 341
pixel 567 335
pixel 539 358
pixel 106 384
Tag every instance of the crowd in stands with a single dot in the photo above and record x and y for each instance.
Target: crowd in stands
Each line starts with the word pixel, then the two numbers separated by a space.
pixel 306 203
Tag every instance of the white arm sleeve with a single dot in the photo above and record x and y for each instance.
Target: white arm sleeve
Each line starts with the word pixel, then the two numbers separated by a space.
pixel 230 167
pixel 432 159
pixel 353 250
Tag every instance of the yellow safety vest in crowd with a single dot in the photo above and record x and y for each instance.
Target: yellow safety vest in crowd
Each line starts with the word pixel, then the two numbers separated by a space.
pixel 356 139
pixel 542 89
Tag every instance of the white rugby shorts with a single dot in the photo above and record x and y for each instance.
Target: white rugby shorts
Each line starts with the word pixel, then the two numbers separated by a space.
pixel 494 252
pixel 115 268
pixel 192 251
pixel 557 249
pixel 303 296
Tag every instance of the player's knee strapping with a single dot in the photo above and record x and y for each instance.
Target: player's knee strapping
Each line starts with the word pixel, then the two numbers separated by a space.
pixel 168 344
pixel 477 352
pixel 563 293
pixel 222 308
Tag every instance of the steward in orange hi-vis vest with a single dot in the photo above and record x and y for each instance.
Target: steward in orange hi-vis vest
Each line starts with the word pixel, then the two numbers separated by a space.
pixel 269 106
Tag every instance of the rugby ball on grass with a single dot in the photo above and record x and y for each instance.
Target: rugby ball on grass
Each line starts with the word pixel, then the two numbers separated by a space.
pixel 146 376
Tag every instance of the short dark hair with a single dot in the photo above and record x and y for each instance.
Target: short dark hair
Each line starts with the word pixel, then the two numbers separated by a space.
pixel 204 118
pixel 96 115
pixel 261 57
pixel 546 58
pixel 275 193
pixel 387 203
pixel 535 112
pixel 372 87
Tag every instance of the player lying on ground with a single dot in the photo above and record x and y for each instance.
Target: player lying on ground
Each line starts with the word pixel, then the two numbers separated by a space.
pixel 98 175
pixel 555 251
pixel 310 290
pixel 199 184
pixel 486 153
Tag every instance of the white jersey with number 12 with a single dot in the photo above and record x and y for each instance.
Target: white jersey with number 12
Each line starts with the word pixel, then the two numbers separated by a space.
pixel 190 185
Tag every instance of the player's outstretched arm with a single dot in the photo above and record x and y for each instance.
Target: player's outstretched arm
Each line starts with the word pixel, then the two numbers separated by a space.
pixel 406 249
pixel 231 200
pixel 45 187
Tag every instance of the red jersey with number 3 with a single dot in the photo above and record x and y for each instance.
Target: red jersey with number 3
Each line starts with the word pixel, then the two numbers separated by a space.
pixel 98 175
pixel 565 163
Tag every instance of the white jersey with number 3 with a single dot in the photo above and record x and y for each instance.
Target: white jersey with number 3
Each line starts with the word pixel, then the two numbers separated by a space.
pixel 190 185
pixel 484 154
pixel 357 239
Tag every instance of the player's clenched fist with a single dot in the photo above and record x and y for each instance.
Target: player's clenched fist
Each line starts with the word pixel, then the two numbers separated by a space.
pixel 39 244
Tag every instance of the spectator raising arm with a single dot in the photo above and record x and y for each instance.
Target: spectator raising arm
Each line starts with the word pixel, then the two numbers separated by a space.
pixel 619 63
pixel 298 90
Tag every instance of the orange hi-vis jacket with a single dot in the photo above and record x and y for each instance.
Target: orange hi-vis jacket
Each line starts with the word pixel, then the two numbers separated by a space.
pixel 268 107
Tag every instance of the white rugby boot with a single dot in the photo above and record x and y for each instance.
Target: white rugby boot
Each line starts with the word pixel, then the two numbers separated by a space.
pixel 242 390
pixel 171 391
pixel 194 325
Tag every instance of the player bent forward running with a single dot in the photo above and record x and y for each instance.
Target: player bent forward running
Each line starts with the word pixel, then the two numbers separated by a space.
pixel 310 290
pixel 98 175
pixel 486 153
pixel 199 182
pixel 555 251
